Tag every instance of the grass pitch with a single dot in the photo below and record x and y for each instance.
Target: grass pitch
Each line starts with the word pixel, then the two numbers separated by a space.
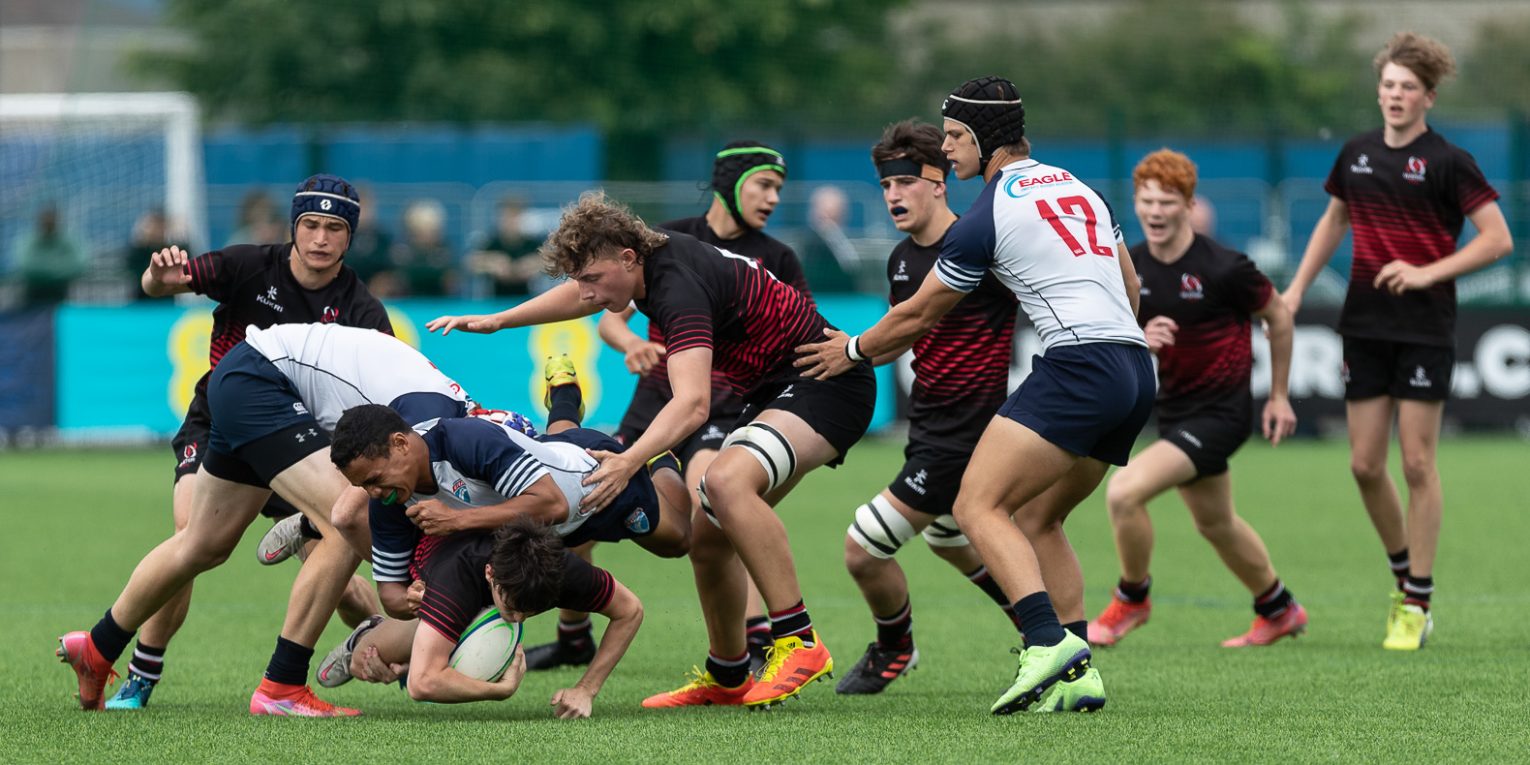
pixel 78 521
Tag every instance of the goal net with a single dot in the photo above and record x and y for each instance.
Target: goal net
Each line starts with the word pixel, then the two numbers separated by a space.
pixel 102 160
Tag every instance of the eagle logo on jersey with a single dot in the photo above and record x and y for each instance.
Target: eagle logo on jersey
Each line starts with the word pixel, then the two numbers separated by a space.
pixel 1190 287
pixel 459 490
pixel 1415 171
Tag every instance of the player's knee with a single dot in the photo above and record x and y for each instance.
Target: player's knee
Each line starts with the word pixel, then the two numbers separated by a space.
pixel 879 529
pixel 770 448
pixel 1367 470
pixel 945 538
pixel 1214 527
pixel 1418 470
pixel 709 547
pixel 1122 498
pixel 204 554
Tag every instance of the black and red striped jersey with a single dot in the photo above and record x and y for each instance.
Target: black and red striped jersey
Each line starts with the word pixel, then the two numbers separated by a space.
pixel 961 366
pixel 456 589
pixel 1211 292
pixel 253 284
pixel 1409 204
pixel 699 296
pixel 770 252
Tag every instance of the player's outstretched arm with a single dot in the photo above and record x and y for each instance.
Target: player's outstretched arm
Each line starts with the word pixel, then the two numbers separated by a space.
pixel 166 274
pixel 640 354
pixel 626 614
pixel 1326 236
pixel 892 335
pixel 1278 419
pixel 1492 242
pixel 431 679
pixel 557 304
pixel 690 381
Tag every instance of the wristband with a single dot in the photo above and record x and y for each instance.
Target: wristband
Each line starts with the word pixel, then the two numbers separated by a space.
pixel 853 349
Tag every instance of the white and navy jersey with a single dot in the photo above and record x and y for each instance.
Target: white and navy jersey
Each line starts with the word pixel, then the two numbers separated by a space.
pixel 1051 240
pixel 477 463
pixel 335 368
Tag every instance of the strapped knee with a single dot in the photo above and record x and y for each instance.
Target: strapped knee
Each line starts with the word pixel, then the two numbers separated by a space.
pixel 945 533
pixel 706 504
pixel 773 451
pixel 879 529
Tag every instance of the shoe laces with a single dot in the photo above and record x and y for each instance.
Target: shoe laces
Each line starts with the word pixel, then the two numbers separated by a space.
pixel 776 655
pixel 697 679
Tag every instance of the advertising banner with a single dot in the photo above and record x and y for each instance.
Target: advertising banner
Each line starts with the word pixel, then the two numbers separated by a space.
pixel 132 369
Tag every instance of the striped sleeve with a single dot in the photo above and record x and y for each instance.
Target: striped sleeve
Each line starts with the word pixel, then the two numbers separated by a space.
pixel 968 249
pixel 585 587
pixel 393 541
pixel 487 452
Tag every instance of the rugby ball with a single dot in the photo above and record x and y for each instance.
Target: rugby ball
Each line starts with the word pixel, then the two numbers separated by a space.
pixel 486 647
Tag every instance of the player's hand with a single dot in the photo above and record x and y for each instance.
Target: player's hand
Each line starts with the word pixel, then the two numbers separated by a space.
pixel 1293 300
pixel 510 682
pixel 1279 419
pixel 434 518
pixel 367 665
pixel 1159 332
pixel 615 470
pixel 1398 277
pixel 415 595
pixel 643 356
pixel 821 361
pixel 572 703
pixel 479 323
pixel 168 266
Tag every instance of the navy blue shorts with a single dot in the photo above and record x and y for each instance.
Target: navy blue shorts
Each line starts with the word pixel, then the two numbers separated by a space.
pixel 1091 400
pixel 634 512
pixel 260 425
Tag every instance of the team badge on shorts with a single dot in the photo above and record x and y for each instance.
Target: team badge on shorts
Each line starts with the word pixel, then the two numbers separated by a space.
pixel 637 523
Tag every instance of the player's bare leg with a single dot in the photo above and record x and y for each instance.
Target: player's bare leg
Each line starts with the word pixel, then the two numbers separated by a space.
pixel 1041 520
pixel 1370 430
pixel 742 498
pixel 1153 471
pixel 993 486
pixel 1239 546
pixel 757 625
pixel 1418 429
pixel 220 513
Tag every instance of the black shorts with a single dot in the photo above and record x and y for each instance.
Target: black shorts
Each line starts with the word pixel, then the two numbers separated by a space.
pixel 634 512
pixel 1210 440
pixel 930 478
pixel 260 425
pixel 1401 370
pixel 190 445
pixel 646 403
pixel 839 408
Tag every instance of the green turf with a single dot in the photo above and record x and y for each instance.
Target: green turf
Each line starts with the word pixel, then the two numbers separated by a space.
pixel 77 523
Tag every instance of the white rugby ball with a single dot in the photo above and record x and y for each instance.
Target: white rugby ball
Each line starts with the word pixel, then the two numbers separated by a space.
pixel 486 647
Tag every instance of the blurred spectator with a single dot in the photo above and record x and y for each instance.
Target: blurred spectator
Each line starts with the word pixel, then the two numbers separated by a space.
pixel 1203 216
pixel 506 256
pixel 422 261
pixel 47 260
pixel 258 221
pixel 828 257
pixel 151 233
pixel 370 244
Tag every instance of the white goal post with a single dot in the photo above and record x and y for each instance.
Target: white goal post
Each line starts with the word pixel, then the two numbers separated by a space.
pixel 103 159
